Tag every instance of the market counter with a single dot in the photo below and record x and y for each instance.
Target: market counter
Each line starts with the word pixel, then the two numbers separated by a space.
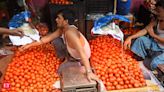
pixel 151 88
pixel 150 85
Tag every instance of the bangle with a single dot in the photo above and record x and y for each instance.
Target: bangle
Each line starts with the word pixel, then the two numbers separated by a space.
pixel 89 71
pixel 146 29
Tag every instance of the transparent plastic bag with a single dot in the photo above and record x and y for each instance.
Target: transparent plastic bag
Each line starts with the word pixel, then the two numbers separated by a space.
pixel 105 26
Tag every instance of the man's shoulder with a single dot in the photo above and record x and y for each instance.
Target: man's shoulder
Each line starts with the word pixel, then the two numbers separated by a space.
pixel 71 30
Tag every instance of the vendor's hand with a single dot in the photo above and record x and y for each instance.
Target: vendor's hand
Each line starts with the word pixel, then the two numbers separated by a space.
pixel 127 43
pixel 91 76
pixel 24 47
pixel 17 32
pixel 151 32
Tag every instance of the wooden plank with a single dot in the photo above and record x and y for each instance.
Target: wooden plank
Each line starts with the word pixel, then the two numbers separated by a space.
pixel 152 88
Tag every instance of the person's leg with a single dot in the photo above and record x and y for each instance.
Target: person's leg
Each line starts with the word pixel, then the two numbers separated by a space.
pixel 157 60
pixel 152 50
pixel 61 52
pixel 66 64
pixel 60 47
pixel 141 45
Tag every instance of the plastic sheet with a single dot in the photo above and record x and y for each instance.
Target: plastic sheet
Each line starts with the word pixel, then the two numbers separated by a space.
pixel 109 18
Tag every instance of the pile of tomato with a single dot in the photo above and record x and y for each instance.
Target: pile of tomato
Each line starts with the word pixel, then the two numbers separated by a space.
pixel 61 2
pixel 42 28
pixel 130 31
pixel 115 67
pixel 33 70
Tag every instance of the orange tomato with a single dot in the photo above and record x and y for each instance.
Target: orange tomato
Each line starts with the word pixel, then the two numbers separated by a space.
pixel 116 70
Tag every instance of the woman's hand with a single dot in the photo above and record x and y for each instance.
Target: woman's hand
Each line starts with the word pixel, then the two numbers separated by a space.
pixel 127 43
pixel 91 76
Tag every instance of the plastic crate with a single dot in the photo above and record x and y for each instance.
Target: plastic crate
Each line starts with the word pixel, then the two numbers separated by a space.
pixel 99 6
pixel 74 80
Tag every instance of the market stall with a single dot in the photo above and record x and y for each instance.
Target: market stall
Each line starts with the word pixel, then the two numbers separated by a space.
pixel 36 68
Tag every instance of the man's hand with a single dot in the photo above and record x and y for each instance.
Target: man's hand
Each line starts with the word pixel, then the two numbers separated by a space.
pixel 151 32
pixel 17 32
pixel 127 43
pixel 91 76
pixel 24 47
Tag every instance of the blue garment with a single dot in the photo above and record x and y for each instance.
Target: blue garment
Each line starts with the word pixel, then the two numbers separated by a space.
pixel 142 44
pixel 18 19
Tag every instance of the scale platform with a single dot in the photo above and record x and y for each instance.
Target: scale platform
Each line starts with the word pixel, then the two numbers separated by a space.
pixel 74 80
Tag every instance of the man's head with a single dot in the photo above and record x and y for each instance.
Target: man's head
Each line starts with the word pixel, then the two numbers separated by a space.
pixel 64 17
pixel 160 9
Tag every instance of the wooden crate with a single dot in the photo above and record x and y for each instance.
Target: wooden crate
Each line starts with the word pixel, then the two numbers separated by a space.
pixel 74 80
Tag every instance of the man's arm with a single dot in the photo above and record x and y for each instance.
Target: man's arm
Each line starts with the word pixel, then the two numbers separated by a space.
pixel 150 31
pixel 127 43
pixel 44 39
pixel 159 39
pixel 52 36
pixel 4 31
pixel 155 36
pixel 143 31
pixel 139 34
pixel 73 39
pixel 16 32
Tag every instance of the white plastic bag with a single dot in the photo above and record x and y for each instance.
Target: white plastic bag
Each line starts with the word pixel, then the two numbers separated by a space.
pixel 31 34
pixel 57 84
pixel 101 86
pixel 111 29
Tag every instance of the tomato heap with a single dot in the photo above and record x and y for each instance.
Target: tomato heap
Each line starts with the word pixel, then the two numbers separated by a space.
pixel 115 67
pixel 61 2
pixel 42 28
pixel 33 70
pixel 130 31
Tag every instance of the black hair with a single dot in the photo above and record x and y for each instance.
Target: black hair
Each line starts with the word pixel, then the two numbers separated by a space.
pixel 68 15
pixel 160 3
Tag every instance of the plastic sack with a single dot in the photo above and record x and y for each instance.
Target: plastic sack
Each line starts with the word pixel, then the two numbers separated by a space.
pixel 18 19
pixel 57 84
pixel 101 86
pixel 111 29
pixel 105 26
pixel 109 18
pixel 30 36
